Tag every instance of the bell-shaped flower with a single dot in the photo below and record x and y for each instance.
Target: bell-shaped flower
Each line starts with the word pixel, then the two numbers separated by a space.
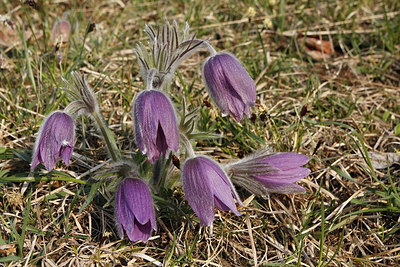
pixel 156 128
pixel 264 172
pixel 229 85
pixel 206 185
pixel 55 139
pixel 134 210
pixel 61 31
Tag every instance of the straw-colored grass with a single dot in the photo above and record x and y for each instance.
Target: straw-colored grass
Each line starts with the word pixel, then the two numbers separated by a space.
pixel 342 111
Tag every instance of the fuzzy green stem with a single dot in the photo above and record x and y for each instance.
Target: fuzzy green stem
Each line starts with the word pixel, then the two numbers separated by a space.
pixel 158 173
pixel 210 49
pixel 188 145
pixel 108 137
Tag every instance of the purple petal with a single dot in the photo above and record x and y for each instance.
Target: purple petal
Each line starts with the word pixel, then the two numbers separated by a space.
pixel 61 29
pixel 35 160
pixel 134 209
pixel 48 150
pixel 197 187
pixel 125 218
pixel 215 81
pixel 168 121
pixel 284 189
pixel 137 194
pixel 229 85
pixel 156 128
pixel 286 176
pixel 147 117
pixel 286 161
pixel 264 172
pixel 221 90
pixel 146 125
pixel 140 232
pixel 220 184
pixel 66 153
pixel 238 78
pixel 64 129
pixel 56 132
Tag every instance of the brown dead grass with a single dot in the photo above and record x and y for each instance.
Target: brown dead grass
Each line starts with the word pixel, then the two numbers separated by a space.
pixel 353 88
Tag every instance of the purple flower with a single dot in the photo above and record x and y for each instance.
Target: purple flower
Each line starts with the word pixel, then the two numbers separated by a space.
pixel 156 129
pixel 56 139
pixel 61 30
pixel 264 172
pixel 206 185
pixel 134 210
pixel 229 85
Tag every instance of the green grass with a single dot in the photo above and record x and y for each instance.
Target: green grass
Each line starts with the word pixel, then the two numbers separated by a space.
pixel 350 213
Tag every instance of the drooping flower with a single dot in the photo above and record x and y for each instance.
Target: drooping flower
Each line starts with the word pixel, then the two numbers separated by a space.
pixel 61 30
pixel 156 128
pixel 265 172
pixel 55 139
pixel 206 185
pixel 229 85
pixel 134 210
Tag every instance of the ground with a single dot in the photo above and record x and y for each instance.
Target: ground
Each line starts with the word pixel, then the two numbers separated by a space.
pixel 328 86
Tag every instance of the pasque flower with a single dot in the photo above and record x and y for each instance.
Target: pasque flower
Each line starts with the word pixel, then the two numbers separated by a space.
pixel 61 30
pixel 265 172
pixel 156 129
pixel 55 139
pixel 134 210
pixel 229 85
pixel 206 185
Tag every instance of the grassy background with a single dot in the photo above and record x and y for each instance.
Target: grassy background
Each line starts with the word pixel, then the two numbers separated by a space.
pixel 350 213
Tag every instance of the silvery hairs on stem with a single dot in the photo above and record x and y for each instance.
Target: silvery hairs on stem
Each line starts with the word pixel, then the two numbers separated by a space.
pixel 83 99
pixel 168 47
pixel 84 102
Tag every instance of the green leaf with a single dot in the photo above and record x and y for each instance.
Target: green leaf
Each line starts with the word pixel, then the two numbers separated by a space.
pixel 18 179
pixel 92 194
pixel 386 115
pixel 204 136
pixel 10 258
pixel 397 129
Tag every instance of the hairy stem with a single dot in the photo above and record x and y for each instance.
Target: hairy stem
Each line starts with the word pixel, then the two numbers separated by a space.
pixel 188 145
pixel 108 137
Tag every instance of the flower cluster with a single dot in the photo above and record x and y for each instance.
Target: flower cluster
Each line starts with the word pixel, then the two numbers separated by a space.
pixel 159 132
